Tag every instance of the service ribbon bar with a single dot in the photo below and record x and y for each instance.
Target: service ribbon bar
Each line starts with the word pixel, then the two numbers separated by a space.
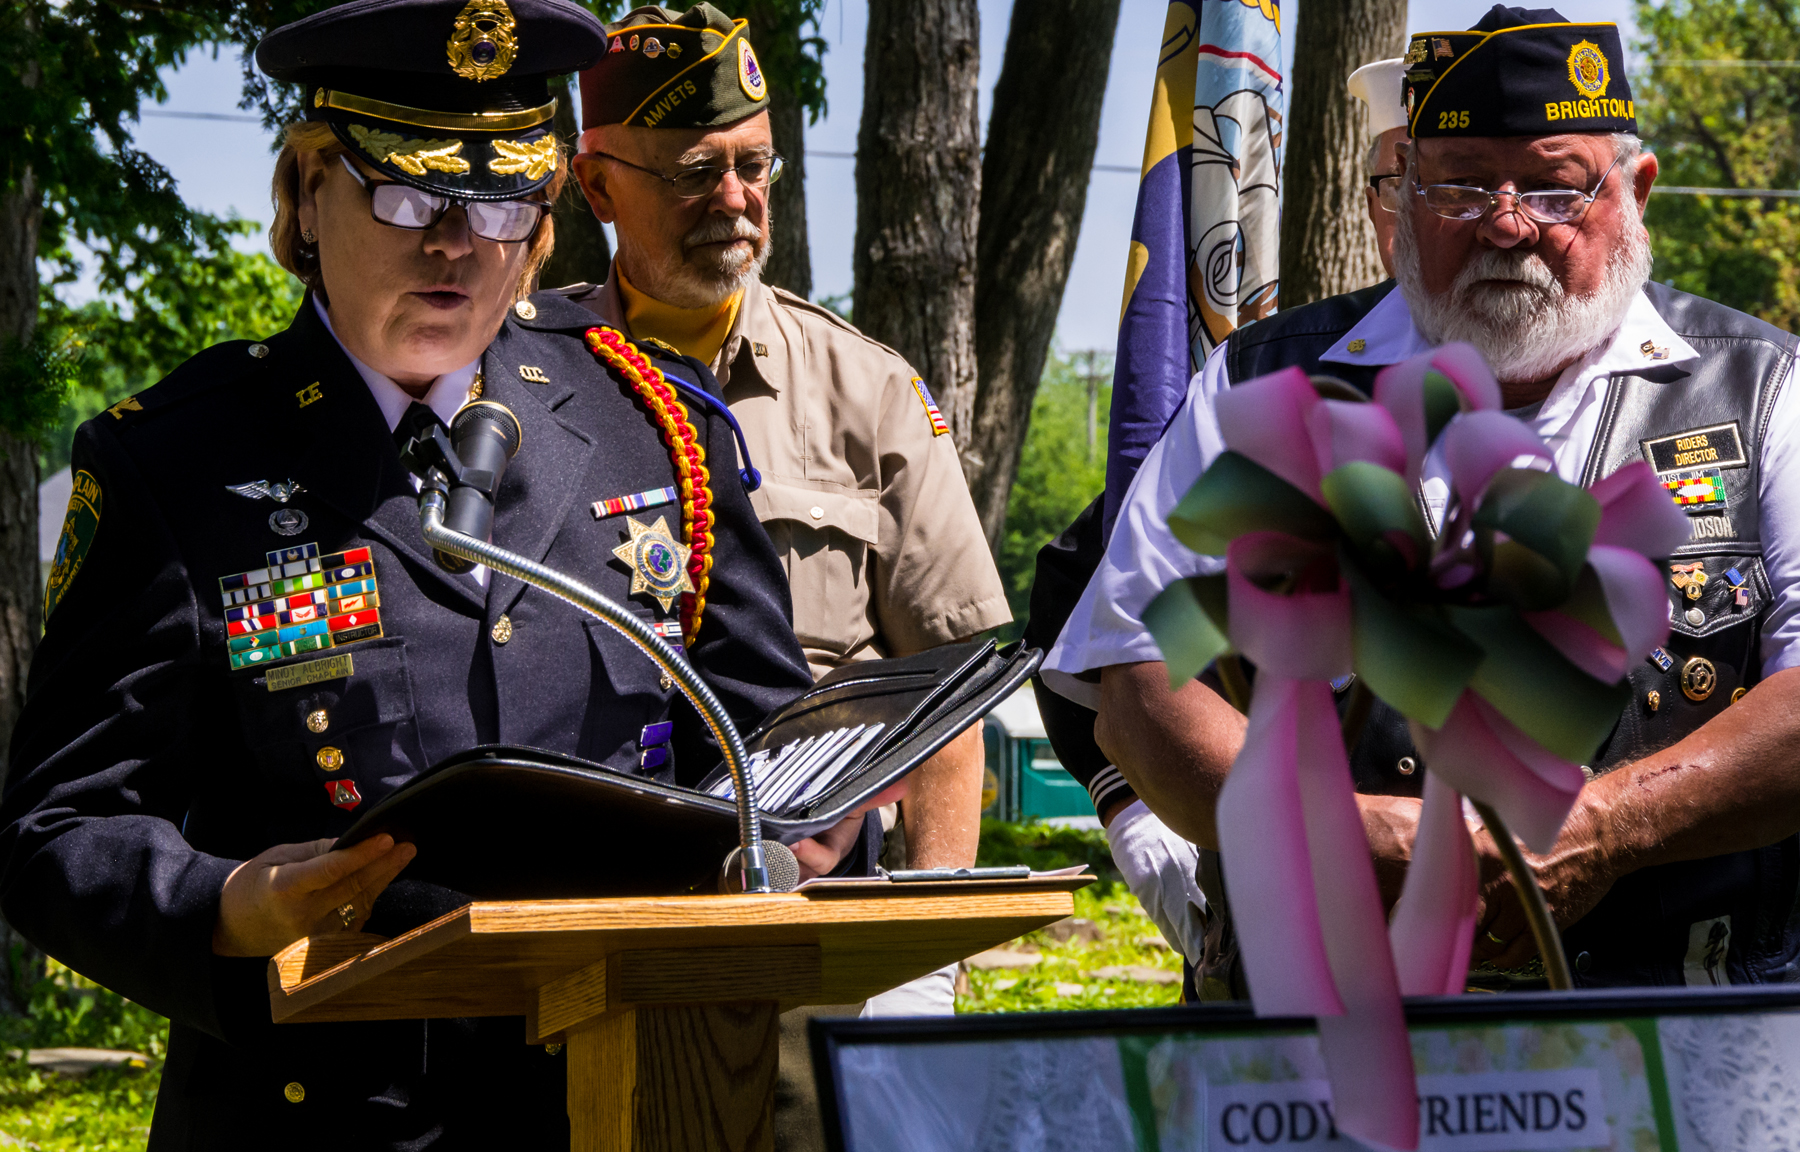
pixel 619 505
pixel 301 602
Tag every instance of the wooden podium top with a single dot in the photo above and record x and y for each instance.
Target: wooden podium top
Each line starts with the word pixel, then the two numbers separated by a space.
pixel 561 961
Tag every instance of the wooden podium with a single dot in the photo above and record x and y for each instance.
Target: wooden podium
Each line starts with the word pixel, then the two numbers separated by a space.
pixel 667 1005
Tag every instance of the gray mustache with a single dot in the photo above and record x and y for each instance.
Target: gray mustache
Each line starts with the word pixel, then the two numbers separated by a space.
pixel 716 230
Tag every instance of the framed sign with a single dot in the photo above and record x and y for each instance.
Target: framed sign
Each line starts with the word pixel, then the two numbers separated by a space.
pixel 1649 1071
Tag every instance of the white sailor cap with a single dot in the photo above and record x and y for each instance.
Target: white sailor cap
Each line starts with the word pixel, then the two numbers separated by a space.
pixel 1380 86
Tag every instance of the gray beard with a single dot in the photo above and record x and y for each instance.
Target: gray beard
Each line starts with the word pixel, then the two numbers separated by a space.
pixel 1529 328
pixel 710 281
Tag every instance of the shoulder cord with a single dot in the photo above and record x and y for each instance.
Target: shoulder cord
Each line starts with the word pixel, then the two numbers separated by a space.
pixel 687 455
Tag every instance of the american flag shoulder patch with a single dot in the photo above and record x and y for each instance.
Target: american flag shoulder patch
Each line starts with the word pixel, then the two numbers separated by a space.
pixel 938 427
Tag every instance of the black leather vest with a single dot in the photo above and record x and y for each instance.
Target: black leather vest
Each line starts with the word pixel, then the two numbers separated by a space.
pixel 1658 925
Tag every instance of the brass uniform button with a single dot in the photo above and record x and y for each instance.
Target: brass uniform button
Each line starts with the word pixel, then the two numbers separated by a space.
pixel 295 1092
pixel 1698 678
pixel 318 720
pixel 502 630
pixel 330 758
pixel 259 350
pixel 1738 694
pixel 525 310
pixel 1653 700
pixel 667 682
pixel 1694 616
pixel 1407 766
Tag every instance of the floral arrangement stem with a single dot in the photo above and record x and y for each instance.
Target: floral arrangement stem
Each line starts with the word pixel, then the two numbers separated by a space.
pixel 1537 911
pixel 1234 681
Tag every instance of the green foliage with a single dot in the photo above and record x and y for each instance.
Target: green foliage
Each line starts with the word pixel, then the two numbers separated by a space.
pixel 1724 127
pixel 41 372
pixel 786 35
pixel 1058 473
pixel 1069 974
pixel 107 1109
pixel 1044 847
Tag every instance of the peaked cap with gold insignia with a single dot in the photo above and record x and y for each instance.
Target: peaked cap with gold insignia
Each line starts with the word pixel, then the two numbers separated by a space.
pixel 449 96
pixel 662 69
pixel 1518 72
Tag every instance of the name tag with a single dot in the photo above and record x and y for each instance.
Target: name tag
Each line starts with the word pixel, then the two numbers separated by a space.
pixel 1719 446
pixel 337 667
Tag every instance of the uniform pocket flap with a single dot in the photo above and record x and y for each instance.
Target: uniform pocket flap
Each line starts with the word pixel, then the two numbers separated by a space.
pixel 855 513
pixel 377 692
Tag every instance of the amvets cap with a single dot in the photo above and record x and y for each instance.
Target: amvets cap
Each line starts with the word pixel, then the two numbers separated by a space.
pixel 663 70
pixel 450 96
pixel 1379 85
pixel 1519 72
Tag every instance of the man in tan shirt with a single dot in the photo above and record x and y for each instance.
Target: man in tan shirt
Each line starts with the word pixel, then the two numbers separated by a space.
pixel 861 489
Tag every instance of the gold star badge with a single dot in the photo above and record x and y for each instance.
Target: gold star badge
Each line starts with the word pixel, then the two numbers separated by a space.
pixel 657 560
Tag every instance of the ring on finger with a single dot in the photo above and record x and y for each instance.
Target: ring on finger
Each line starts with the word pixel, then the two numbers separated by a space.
pixel 347 914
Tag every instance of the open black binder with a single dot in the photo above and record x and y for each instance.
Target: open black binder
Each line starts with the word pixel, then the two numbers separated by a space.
pixel 500 823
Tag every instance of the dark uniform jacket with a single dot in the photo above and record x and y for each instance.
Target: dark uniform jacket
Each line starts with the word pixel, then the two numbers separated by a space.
pixel 145 767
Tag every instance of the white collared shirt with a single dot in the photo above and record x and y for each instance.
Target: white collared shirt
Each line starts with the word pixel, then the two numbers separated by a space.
pixel 1143 557
pixel 448 393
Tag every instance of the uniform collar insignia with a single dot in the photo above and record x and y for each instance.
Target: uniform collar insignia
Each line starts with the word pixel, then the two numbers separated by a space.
pixel 658 561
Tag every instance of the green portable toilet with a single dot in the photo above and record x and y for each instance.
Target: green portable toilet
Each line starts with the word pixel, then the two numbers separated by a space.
pixel 1023 778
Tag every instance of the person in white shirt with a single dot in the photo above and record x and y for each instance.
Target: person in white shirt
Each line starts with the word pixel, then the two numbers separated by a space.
pixel 1523 235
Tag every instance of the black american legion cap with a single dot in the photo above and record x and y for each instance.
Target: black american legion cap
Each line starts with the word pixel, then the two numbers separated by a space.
pixel 1518 72
pixel 663 69
pixel 450 96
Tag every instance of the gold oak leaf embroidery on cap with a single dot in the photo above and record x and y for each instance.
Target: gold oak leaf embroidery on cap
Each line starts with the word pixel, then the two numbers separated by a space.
pixel 536 159
pixel 411 156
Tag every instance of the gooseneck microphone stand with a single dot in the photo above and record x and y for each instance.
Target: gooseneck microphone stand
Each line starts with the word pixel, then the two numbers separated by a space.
pixel 441 467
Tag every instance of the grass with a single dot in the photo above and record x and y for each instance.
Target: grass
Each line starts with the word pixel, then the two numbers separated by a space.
pixel 1113 933
pixel 108 1110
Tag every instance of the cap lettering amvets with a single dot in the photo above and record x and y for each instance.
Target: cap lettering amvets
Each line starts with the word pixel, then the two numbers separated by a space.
pixel 1519 72
pixel 695 69
pixel 450 96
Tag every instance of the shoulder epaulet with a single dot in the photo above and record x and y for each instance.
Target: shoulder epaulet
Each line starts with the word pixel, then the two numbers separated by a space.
pixel 794 303
pixel 220 366
pixel 554 310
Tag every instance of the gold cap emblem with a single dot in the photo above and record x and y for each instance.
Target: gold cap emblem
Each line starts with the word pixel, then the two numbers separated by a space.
pixel 483 40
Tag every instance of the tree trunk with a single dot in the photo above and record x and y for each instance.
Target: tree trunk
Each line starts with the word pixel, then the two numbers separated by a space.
pixel 21 584
pixel 790 260
pixel 1041 138
pixel 1327 243
pixel 581 252
pixel 918 182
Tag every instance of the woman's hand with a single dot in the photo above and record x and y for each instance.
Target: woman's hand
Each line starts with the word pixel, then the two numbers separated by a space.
pixel 296 890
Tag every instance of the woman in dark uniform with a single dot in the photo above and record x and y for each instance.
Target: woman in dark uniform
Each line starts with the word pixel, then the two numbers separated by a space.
pixel 248 642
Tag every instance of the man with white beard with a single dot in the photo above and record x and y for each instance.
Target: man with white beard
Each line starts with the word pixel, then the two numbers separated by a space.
pixel 1521 233
pixel 860 486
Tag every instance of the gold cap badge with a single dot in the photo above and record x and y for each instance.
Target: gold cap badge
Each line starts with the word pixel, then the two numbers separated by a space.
pixel 483 40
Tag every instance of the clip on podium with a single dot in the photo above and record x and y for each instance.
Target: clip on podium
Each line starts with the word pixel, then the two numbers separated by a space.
pixel 667 1005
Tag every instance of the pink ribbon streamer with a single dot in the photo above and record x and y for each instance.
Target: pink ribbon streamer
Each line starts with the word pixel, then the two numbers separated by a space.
pixel 1311 926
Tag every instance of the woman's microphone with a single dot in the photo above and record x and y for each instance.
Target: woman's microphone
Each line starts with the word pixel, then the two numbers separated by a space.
pixel 485 436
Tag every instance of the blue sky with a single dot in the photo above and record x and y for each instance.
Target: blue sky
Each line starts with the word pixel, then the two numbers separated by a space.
pixel 224 166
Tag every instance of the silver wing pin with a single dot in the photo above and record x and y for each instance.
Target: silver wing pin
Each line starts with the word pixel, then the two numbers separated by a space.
pixel 280 491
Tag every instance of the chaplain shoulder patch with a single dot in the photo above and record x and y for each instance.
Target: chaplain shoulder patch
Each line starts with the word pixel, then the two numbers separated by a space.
pixel 80 526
